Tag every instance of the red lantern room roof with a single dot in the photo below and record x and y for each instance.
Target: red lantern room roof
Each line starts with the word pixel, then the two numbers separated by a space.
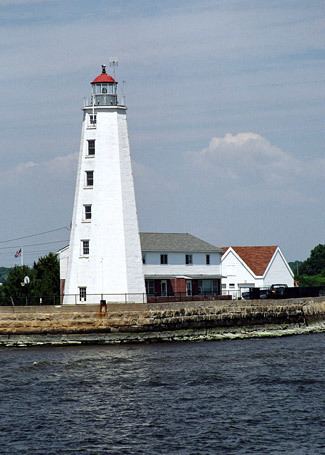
pixel 104 78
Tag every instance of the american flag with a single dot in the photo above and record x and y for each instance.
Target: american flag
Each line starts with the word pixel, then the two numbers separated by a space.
pixel 18 253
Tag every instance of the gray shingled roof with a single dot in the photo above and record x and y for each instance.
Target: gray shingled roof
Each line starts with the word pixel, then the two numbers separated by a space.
pixel 175 242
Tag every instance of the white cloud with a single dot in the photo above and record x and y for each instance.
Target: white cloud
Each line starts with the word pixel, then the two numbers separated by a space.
pixel 65 164
pixel 252 155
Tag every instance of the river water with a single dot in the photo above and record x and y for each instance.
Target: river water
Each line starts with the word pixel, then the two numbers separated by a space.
pixel 260 396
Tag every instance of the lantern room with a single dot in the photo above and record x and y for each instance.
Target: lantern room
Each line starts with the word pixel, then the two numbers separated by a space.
pixel 104 89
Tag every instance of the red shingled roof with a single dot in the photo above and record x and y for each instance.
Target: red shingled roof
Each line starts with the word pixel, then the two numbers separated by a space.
pixel 104 78
pixel 256 257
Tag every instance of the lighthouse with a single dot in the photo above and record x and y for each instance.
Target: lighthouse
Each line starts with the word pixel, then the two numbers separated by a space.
pixel 104 255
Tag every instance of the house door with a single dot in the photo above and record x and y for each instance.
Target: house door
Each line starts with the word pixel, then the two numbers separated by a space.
pixel 188 287
pixel 163 288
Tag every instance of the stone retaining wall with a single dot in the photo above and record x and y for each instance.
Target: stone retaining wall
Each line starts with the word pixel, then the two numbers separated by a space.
pixel 136 318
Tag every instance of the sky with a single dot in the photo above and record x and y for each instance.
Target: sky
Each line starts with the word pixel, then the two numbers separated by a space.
pixel 225 114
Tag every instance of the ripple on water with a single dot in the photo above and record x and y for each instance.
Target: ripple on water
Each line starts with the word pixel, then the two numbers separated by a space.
pixel 249 396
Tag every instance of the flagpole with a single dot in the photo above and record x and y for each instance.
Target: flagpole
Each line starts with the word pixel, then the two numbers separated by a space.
pixel 22 257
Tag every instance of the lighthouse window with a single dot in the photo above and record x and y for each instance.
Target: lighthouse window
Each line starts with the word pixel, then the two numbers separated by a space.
pixel 82 294
pixel 87 212
pixel 85 247
pixel 91 147
pixel 93 119
pixel 89 178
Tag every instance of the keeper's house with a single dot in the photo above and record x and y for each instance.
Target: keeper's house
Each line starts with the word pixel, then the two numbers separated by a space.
pixel 180 264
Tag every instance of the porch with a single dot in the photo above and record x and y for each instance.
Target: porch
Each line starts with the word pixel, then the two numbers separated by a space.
pixel 180 288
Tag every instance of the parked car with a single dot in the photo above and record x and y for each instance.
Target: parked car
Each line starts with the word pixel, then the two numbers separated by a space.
pixel 277 291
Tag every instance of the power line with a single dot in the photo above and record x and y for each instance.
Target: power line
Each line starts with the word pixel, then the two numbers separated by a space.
pixel 35 235
pixel 35 252
pixel 3 253
pixel 33 244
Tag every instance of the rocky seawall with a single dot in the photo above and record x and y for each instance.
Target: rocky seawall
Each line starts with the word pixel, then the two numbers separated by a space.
pixel 85 324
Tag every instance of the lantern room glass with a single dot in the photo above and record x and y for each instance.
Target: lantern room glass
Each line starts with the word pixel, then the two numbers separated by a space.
pixel 104 94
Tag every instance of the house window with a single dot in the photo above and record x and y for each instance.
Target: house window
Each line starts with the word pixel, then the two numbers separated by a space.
pixel 87 212
pixel 89 178
pixel 150 287
pixel 93 119
pixel 188 259
pixel 224 286
pixel 91 147
pixel 82 294
pixel 85 247
pixel 231 285
pixel 207 259
pixel 143 259
pixel 164 259
pixel 205 287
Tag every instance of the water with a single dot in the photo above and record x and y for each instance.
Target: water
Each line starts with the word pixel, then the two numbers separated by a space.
pixel 261 396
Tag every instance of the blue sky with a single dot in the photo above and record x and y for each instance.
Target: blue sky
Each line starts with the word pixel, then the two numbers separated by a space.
pixel 226 115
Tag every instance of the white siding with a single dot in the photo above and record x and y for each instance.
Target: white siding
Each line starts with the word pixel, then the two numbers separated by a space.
pixel 237 273
pixel 278 272
pixel 176 265
pixel 114 265
pixel 153 258
pixel 63 259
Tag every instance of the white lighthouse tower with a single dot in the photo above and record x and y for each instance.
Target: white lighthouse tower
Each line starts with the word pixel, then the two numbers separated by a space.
pixel 104 259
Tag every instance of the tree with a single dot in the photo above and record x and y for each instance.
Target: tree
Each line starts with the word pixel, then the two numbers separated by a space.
pixel 15 290
pixel 315 264
pixel 295 267
pixel 43 287
pixel 47 277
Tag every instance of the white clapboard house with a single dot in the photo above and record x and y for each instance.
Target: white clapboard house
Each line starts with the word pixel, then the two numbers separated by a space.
pixel 244 267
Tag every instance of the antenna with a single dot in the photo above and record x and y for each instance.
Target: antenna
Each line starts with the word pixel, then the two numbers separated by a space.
pixel 113 64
